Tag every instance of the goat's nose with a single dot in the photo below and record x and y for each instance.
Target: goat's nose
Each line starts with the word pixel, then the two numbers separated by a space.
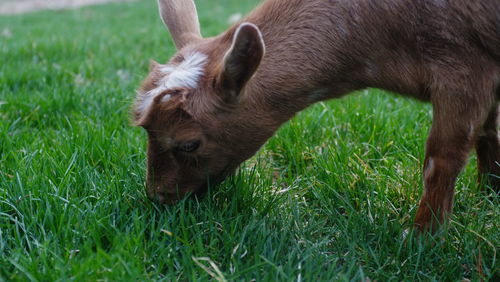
pixel 155 195
pixel 160 197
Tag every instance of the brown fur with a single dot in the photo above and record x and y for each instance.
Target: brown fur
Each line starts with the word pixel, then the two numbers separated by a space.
pixel 443 52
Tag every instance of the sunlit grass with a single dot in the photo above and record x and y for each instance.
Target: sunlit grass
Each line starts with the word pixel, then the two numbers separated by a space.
pixel 327 198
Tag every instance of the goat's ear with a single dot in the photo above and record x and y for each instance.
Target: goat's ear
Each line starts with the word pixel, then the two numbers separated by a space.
pixel 181 19
pixel 242 59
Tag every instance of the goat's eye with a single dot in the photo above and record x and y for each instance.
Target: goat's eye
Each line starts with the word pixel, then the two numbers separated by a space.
pixel 190 146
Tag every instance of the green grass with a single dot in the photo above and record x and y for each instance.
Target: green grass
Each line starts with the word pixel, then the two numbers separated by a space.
pixel 327 198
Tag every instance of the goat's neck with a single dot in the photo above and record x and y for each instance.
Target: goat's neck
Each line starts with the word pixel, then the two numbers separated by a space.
pixel 317 50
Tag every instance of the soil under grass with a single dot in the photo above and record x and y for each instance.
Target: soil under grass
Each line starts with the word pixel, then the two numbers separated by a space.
pixel 328 198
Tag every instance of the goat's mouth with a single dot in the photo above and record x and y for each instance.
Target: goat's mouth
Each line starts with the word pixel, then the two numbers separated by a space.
pixel 158 196
pixel 166 197
pixel 163 195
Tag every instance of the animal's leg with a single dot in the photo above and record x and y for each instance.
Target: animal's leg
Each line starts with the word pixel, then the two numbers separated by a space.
pixel 488 150
pixel 451 138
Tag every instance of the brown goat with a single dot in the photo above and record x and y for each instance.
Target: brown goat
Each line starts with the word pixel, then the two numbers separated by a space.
pixel 218 100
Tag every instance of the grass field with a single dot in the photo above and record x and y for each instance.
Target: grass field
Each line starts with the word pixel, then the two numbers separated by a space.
pixel 327 198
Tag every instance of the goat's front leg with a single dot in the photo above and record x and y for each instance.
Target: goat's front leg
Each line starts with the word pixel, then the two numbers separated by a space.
pixel 488 150
pixel 451 138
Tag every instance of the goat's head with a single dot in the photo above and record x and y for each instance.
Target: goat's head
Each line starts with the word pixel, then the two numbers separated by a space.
pixel 192 106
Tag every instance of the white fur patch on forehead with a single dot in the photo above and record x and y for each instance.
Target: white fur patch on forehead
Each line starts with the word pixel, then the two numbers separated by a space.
pixel 184 75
